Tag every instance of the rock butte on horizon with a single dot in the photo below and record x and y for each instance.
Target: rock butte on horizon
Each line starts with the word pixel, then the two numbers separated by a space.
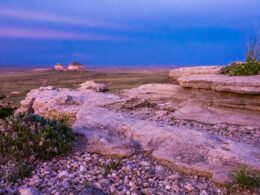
pixel 112 132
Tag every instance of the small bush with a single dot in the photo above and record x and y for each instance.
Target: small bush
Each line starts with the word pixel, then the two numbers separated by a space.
pixel 244 69
pixel 28 135
pixel 246 181
pixel 21 170
pixel 5 112
pixel 2 96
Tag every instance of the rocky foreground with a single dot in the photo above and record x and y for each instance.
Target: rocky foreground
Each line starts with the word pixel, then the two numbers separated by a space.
pixel 171 139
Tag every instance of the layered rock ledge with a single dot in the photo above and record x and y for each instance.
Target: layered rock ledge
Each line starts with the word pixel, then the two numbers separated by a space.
pixel 197 70
pixel 111 132
pixel 223 83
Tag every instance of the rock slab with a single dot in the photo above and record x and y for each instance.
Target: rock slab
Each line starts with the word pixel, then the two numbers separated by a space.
pixel 111 132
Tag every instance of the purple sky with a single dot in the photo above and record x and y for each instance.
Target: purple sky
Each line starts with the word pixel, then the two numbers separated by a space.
pixel 124 32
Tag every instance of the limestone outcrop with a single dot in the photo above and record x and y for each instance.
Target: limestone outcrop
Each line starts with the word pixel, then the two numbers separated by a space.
pixel 223 83
pixel 197 70
pixel 111 132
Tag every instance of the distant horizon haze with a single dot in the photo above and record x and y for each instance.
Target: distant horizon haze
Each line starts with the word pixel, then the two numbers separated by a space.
pixel 116 33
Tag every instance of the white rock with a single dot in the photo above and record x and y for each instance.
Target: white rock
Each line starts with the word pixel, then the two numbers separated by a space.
pixel 28 191
pixel 62 174
pixel 99 87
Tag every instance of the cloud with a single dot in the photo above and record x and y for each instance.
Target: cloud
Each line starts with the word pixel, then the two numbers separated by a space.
pixel 43 17
pixel 12 32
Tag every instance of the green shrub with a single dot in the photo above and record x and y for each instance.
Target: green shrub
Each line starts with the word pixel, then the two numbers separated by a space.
pixel 244 69
pixel 5 112
pixel 20 171
pixel 28 135
pixel 245 180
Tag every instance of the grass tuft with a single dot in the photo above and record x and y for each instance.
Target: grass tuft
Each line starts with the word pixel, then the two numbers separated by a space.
pixel 111 166
pixel 246 181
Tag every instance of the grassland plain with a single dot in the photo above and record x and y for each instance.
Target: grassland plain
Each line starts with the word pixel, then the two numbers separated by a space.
pixel 16 84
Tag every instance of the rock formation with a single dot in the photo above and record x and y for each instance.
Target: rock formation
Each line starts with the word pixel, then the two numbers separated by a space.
pixel 224 83
pixel 59 67
pixel 110 131
pixel 76 66
pixel 197 70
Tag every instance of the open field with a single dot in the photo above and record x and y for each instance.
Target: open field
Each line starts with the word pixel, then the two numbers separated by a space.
pixel 15 85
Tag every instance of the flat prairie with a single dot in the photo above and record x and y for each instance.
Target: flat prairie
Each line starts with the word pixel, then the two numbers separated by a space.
pixel 16 84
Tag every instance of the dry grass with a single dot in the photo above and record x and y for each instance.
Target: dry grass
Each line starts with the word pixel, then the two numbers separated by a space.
pixel 15 85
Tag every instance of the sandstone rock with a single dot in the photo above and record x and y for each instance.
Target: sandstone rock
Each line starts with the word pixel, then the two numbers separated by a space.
pixel 223 83
pixel 197 70
pixel 99 87
pixel 205 106
pixel 111 132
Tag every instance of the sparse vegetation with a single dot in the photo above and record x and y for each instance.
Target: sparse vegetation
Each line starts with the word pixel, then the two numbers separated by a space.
pixel 245 180
pixel 251 43
pixel 115 79
pixel 5 112
pixel 28 135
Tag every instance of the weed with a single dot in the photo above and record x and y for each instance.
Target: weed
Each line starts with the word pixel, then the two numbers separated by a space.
pixel 245 180
pixel 111 166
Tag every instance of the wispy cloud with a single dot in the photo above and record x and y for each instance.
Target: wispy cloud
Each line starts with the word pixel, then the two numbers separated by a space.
pixel 7 32
pixel 43 17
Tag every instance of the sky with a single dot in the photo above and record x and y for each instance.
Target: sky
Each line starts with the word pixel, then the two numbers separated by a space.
pixel 124 33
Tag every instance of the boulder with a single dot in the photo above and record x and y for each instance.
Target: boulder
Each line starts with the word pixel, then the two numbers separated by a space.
pixel 223 83
pixel 197 70
pixel 99 87
pixel 115 133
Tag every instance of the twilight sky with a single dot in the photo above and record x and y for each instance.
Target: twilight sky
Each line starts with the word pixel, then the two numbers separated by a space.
pixel 120 33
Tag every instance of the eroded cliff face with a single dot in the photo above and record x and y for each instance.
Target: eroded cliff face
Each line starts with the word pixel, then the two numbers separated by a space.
pixel 120 125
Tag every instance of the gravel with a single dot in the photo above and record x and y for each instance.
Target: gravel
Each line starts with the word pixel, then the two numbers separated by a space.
pixel 136 175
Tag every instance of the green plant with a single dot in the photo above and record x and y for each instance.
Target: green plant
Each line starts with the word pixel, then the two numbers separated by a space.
pixel 111 166
pixel 21 170
pixel 5 112
pixel 244 69
pixel 245 180
pixel 28 135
